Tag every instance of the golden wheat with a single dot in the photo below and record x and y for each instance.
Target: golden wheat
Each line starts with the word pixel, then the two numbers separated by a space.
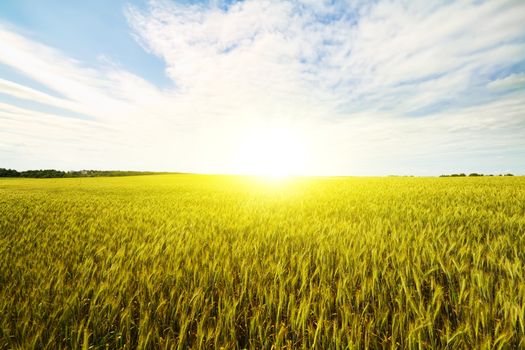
pixel 187 261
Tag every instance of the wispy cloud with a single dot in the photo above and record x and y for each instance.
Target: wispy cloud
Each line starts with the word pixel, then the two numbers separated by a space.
pixel 513 81
pixel 386 87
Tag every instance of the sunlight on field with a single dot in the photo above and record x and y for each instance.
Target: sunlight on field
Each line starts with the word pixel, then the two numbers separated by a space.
pixel 189 261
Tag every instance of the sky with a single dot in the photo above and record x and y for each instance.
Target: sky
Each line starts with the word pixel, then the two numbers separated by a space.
pixel 317 87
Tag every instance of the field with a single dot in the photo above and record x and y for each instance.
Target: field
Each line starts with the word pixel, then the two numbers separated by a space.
pixel 188 261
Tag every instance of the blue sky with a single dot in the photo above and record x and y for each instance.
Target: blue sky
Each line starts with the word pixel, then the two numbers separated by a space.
pixel 86 31
pixel 356 88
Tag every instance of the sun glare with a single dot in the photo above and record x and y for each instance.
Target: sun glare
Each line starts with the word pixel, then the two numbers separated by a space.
pixel 272 152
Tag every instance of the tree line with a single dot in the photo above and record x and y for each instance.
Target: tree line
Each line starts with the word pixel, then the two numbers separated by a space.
pixel 52 173
pixel 473 174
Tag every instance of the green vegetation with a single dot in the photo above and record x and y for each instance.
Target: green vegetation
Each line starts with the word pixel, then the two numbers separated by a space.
pixel 186 261
pixel 473 174
pixel 52 173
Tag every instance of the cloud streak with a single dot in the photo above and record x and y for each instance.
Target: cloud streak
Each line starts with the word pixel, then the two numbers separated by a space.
pixel 375 88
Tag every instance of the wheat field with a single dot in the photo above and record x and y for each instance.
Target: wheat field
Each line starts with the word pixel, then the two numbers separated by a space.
pixel 210 262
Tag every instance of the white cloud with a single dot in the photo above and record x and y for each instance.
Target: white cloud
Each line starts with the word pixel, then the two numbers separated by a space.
pixel 512 81
pixel 351 77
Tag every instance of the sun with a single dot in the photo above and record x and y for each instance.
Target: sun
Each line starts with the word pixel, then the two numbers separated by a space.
pixel 272 152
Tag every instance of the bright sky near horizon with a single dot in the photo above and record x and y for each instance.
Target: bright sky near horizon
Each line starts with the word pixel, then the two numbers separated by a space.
pixel 321 87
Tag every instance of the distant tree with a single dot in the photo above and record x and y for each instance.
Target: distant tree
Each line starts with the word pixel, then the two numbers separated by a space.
pixel 8 173
pixel 509 174
pixel 475 174
pixel 43 173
